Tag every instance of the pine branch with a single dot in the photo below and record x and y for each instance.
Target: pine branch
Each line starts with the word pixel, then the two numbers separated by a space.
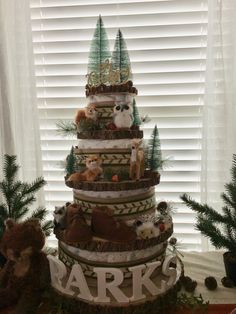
pixel 223 236
pixel 209 212
pixel 231 191
pixel 30 188
pixel 10 168
pixel 229 217
pixel 20 202
pixel 39 213
pixel 19 213
pixel 66 128
pixel 47 227
pixel 18 195
pixel 216 237
pixel 227 200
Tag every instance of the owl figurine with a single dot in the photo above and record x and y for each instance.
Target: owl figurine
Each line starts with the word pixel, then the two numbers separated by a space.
pixel 123 115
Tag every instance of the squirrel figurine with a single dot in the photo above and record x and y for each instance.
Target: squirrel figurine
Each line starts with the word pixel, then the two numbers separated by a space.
pixel 92 172
pixel 89 112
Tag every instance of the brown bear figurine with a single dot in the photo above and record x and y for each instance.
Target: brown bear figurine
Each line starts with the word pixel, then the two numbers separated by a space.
pixel 26 275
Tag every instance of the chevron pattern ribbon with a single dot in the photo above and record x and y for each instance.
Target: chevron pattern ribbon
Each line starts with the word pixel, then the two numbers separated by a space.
pixel 120 209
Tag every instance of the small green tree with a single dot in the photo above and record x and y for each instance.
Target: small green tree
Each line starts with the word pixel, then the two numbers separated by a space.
pixel 71 162
pixel 18 196
pixel 120 58
pixel 137 119
pixel 220 228
pixel 153 152
pixel 99 49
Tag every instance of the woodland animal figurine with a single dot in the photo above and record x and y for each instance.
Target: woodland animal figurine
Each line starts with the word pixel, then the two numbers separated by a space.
pixel 88 113
pixel 123 115
pixel 59 215
pixel 104 225
pixel 26 275
pixel 77 229
pixel 93 171
pixel 136 160
pixel 147 226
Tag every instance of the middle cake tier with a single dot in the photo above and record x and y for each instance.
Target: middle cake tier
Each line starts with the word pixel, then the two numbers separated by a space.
pixel 127 205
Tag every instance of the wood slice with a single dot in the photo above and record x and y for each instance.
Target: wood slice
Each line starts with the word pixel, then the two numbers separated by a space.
pixel 151 178
pixel 110 134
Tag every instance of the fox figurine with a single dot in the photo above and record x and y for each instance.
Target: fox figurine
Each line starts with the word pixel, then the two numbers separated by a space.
pixel 92 172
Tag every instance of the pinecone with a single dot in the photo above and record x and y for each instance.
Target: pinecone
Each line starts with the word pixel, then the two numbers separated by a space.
pixel 211 283
pixel 173 241
pixel 227 282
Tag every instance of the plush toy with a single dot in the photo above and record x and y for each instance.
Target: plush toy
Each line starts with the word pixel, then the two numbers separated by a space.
pixel 87 113
pixel 87 119
pixel 59 215
pixel 25 276
pixel 147 227
pixel 77 229
pixel 106 226
pixel 123 116
pixel 93 171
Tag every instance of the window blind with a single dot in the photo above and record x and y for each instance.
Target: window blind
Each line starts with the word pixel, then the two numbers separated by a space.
pixel 167 46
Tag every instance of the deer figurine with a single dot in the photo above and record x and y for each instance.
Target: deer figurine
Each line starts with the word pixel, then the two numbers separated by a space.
pixel 136 160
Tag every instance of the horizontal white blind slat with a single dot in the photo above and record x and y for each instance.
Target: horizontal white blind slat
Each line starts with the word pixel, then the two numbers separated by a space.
pixel 144 7
pixel 59 3
pixel 167 45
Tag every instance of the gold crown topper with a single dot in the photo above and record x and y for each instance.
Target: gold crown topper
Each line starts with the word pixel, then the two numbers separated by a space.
pixel 108 76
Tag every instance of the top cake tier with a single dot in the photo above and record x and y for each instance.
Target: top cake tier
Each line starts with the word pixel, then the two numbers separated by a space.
pixel 111 115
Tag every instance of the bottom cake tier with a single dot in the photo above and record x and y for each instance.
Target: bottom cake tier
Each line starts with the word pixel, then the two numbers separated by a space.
pixel 149 291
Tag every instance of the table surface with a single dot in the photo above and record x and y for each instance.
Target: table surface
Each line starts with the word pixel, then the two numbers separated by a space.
pixel 203 264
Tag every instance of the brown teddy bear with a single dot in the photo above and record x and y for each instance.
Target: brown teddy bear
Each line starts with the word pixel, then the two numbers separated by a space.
pixel 25 275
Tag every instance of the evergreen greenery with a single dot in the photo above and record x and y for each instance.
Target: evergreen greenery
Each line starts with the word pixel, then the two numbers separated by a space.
pixel 99 49
pixel 120 58
pixel 66 128
pixel 153 151
pixel 219 227
pixel 137 119
pixel 71 162
pixel 18 196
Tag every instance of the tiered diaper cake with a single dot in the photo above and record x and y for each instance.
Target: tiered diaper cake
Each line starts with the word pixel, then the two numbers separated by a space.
pixel 113 238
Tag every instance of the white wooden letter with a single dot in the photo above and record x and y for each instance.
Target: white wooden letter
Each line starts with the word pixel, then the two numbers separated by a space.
pixel 169 271
pixel 112 286
pixel 77 280
pixel 140 280
pixel 58 272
